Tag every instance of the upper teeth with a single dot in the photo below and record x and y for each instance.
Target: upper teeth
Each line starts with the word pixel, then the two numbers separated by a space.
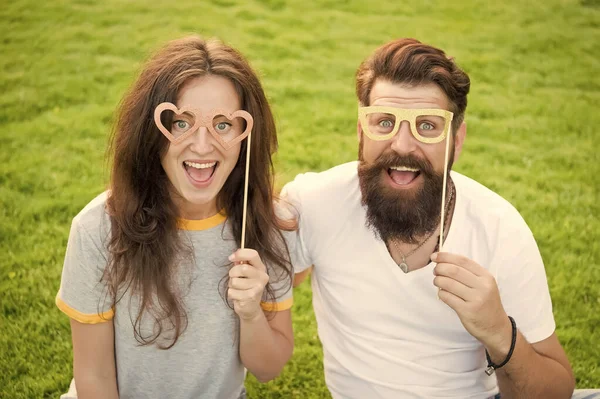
pixel 404 169
pixel 200 165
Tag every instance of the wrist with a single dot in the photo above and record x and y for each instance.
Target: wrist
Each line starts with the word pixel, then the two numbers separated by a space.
pixel 252 318
pixel 495 355
pixel 498 344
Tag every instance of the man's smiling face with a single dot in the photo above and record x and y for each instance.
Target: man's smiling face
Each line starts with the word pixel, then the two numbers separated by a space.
pixel 401 178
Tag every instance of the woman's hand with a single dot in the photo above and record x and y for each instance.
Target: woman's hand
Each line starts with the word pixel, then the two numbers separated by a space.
pixel 247 280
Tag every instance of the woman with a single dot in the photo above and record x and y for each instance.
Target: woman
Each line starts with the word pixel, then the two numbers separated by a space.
pixel 161 302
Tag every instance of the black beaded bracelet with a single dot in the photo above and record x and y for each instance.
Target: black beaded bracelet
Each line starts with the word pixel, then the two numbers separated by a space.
pixel 491 367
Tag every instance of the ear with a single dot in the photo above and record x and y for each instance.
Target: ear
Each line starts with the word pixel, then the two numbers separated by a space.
pixel 459 139
pixel 359 130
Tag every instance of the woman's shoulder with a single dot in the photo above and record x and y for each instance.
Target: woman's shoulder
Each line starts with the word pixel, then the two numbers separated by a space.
pixel 94 218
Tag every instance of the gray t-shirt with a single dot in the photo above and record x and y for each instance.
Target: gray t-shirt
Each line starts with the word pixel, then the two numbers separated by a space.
pixel 205 361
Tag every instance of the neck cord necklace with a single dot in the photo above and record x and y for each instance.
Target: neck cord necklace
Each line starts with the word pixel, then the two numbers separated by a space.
pixel 403 265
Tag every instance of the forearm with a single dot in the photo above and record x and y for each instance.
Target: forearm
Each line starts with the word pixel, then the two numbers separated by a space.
pixel 300 277
pixel 94 366
pixel 93 386
pixel 529 374
pixel 263 350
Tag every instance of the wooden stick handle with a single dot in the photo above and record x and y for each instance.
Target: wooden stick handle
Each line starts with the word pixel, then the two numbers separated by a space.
pixel 248 148
pixel 444 192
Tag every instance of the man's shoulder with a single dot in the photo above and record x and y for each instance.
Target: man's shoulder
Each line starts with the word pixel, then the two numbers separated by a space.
pixel 483 202
pixel 339 178
pixel 331 193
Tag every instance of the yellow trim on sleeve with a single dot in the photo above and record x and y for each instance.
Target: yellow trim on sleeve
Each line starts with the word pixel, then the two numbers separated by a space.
pixel 277 306
pixel 83 317
pixel 203 224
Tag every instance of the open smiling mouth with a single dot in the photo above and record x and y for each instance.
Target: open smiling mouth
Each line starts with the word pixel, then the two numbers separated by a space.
pixel 403 175
pixel 200 172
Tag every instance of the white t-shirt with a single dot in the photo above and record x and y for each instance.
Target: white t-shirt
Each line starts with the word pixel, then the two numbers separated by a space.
pixel 385 334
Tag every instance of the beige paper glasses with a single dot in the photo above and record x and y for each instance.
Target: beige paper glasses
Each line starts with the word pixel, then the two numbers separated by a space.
pixel 227 128
pixel 429 126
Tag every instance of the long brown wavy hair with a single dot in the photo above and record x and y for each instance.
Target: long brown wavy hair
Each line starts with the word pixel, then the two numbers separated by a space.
pixel 144 247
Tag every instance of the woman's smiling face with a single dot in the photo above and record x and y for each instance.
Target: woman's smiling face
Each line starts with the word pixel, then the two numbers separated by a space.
pixel 199 166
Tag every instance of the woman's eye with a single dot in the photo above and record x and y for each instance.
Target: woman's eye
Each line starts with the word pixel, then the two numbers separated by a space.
pixel 222 126
pixel 181 125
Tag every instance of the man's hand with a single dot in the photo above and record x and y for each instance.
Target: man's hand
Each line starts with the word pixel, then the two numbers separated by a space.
pixel 471 291
pixel 247 280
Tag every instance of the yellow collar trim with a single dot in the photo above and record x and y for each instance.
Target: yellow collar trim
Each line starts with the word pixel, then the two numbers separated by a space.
pixel 203 224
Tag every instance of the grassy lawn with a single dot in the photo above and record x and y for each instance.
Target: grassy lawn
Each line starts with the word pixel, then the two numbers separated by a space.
pixel 533 137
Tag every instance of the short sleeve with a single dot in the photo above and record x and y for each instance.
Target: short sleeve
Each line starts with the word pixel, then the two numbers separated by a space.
pixel 523 284
pixel 281 284
pixel 82 295
pixel 290 204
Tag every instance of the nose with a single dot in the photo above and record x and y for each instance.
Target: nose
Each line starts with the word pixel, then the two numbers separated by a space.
pixel 404 142
pixel 202 141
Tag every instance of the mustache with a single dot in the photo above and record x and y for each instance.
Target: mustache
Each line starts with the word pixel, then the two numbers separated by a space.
pixel 389 159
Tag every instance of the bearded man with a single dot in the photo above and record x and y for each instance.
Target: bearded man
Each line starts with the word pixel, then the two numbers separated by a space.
pixel 399 317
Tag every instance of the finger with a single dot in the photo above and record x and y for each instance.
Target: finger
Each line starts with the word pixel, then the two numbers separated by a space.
pixel 249 256
pixel 454 287
pixel 243 295
pixel 242 283
pixel 456 273
pixel 451 300
pixel 459 260
pixel 245 271
pixel 235 295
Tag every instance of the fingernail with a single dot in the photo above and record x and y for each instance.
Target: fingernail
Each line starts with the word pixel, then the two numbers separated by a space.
pixel 434 256
pixel 231 258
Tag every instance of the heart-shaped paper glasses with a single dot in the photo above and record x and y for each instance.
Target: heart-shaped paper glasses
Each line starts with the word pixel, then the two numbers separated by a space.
pixel 228 129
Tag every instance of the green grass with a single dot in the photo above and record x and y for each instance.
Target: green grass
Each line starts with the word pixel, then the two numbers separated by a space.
pixel 533 126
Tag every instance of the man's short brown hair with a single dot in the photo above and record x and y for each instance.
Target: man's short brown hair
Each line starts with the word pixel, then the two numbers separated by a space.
pixel 410 62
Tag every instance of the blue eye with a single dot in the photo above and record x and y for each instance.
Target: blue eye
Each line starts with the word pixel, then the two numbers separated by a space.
pixel 181 125
pixel 222 127
pixel 386 123
pixel 426 126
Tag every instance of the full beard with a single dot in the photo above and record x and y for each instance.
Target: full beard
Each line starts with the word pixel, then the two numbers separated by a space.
pixel 400 214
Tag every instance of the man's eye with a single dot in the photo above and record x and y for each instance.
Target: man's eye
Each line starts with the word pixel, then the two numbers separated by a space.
pixel 426 126
pixel 386 123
